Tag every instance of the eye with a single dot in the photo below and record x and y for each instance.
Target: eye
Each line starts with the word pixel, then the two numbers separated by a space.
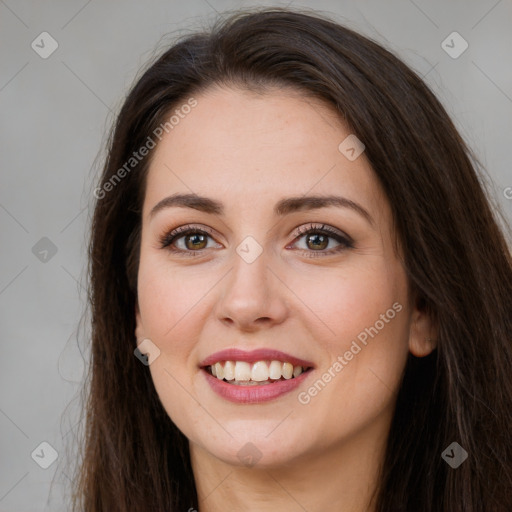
pixel 194 240
pixel 317 239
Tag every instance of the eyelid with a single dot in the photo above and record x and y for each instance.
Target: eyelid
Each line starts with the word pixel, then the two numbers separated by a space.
pixel 169 236
pixel 320 226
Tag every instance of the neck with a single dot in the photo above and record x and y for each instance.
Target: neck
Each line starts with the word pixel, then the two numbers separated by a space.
pixel 342 477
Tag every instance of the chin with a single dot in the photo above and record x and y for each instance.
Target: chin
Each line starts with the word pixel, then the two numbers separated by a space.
pixel 258 447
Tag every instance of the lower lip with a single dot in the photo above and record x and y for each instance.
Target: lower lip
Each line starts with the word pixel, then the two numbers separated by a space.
pixel 254 394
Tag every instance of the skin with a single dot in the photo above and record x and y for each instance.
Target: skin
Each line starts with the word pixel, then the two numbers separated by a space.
pixel 249 151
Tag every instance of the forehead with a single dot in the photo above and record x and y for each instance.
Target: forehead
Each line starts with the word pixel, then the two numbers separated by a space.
pixel 246 147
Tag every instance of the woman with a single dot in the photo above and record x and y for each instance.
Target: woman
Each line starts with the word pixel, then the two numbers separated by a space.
pixel 300 294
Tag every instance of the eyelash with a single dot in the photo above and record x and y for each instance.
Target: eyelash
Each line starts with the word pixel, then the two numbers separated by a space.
pixel 167 239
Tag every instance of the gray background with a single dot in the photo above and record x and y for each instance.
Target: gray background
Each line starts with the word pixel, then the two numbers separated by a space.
pixel 55 116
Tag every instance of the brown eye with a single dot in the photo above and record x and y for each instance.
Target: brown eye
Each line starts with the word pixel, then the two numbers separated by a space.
pixel 315 239
pixel 196 241
pixel 187 241
pixel 318 241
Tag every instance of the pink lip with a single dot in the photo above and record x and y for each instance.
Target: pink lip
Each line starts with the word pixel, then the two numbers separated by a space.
pixel 253 394
pixel 262 354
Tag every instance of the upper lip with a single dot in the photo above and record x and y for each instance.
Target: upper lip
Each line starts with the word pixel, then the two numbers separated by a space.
pixel 261 354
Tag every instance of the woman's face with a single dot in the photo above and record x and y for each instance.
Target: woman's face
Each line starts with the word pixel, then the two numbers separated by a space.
pixel 271 265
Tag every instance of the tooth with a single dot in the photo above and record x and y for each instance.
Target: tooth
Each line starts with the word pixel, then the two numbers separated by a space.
pixel 275 370
pixel 219 371
pixel 287 370
pixel 242 370
pixel 229 370
pixel 259 371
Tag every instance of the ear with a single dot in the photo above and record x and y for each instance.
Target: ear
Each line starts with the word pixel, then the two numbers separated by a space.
pixel 139 328
pixel 423 332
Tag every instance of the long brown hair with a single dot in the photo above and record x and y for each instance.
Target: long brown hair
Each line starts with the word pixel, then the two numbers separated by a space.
pixel 455 254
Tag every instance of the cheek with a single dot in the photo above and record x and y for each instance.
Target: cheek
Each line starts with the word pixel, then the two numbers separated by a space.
pixel 169 307
pixel 363 334
pixel 174 393
pixel 344 302
pixel 168 302
pixel 356 389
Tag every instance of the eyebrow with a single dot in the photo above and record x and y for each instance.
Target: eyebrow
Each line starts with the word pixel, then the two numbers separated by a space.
pixel 282 207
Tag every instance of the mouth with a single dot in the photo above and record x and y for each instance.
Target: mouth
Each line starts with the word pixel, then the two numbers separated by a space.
pixel 260 373
pixel 253 377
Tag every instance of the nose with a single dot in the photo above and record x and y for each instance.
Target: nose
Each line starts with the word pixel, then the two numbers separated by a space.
pixel 253 296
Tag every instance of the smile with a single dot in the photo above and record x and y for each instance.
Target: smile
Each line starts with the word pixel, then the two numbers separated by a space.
pixel 242 373
pixel 253 377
